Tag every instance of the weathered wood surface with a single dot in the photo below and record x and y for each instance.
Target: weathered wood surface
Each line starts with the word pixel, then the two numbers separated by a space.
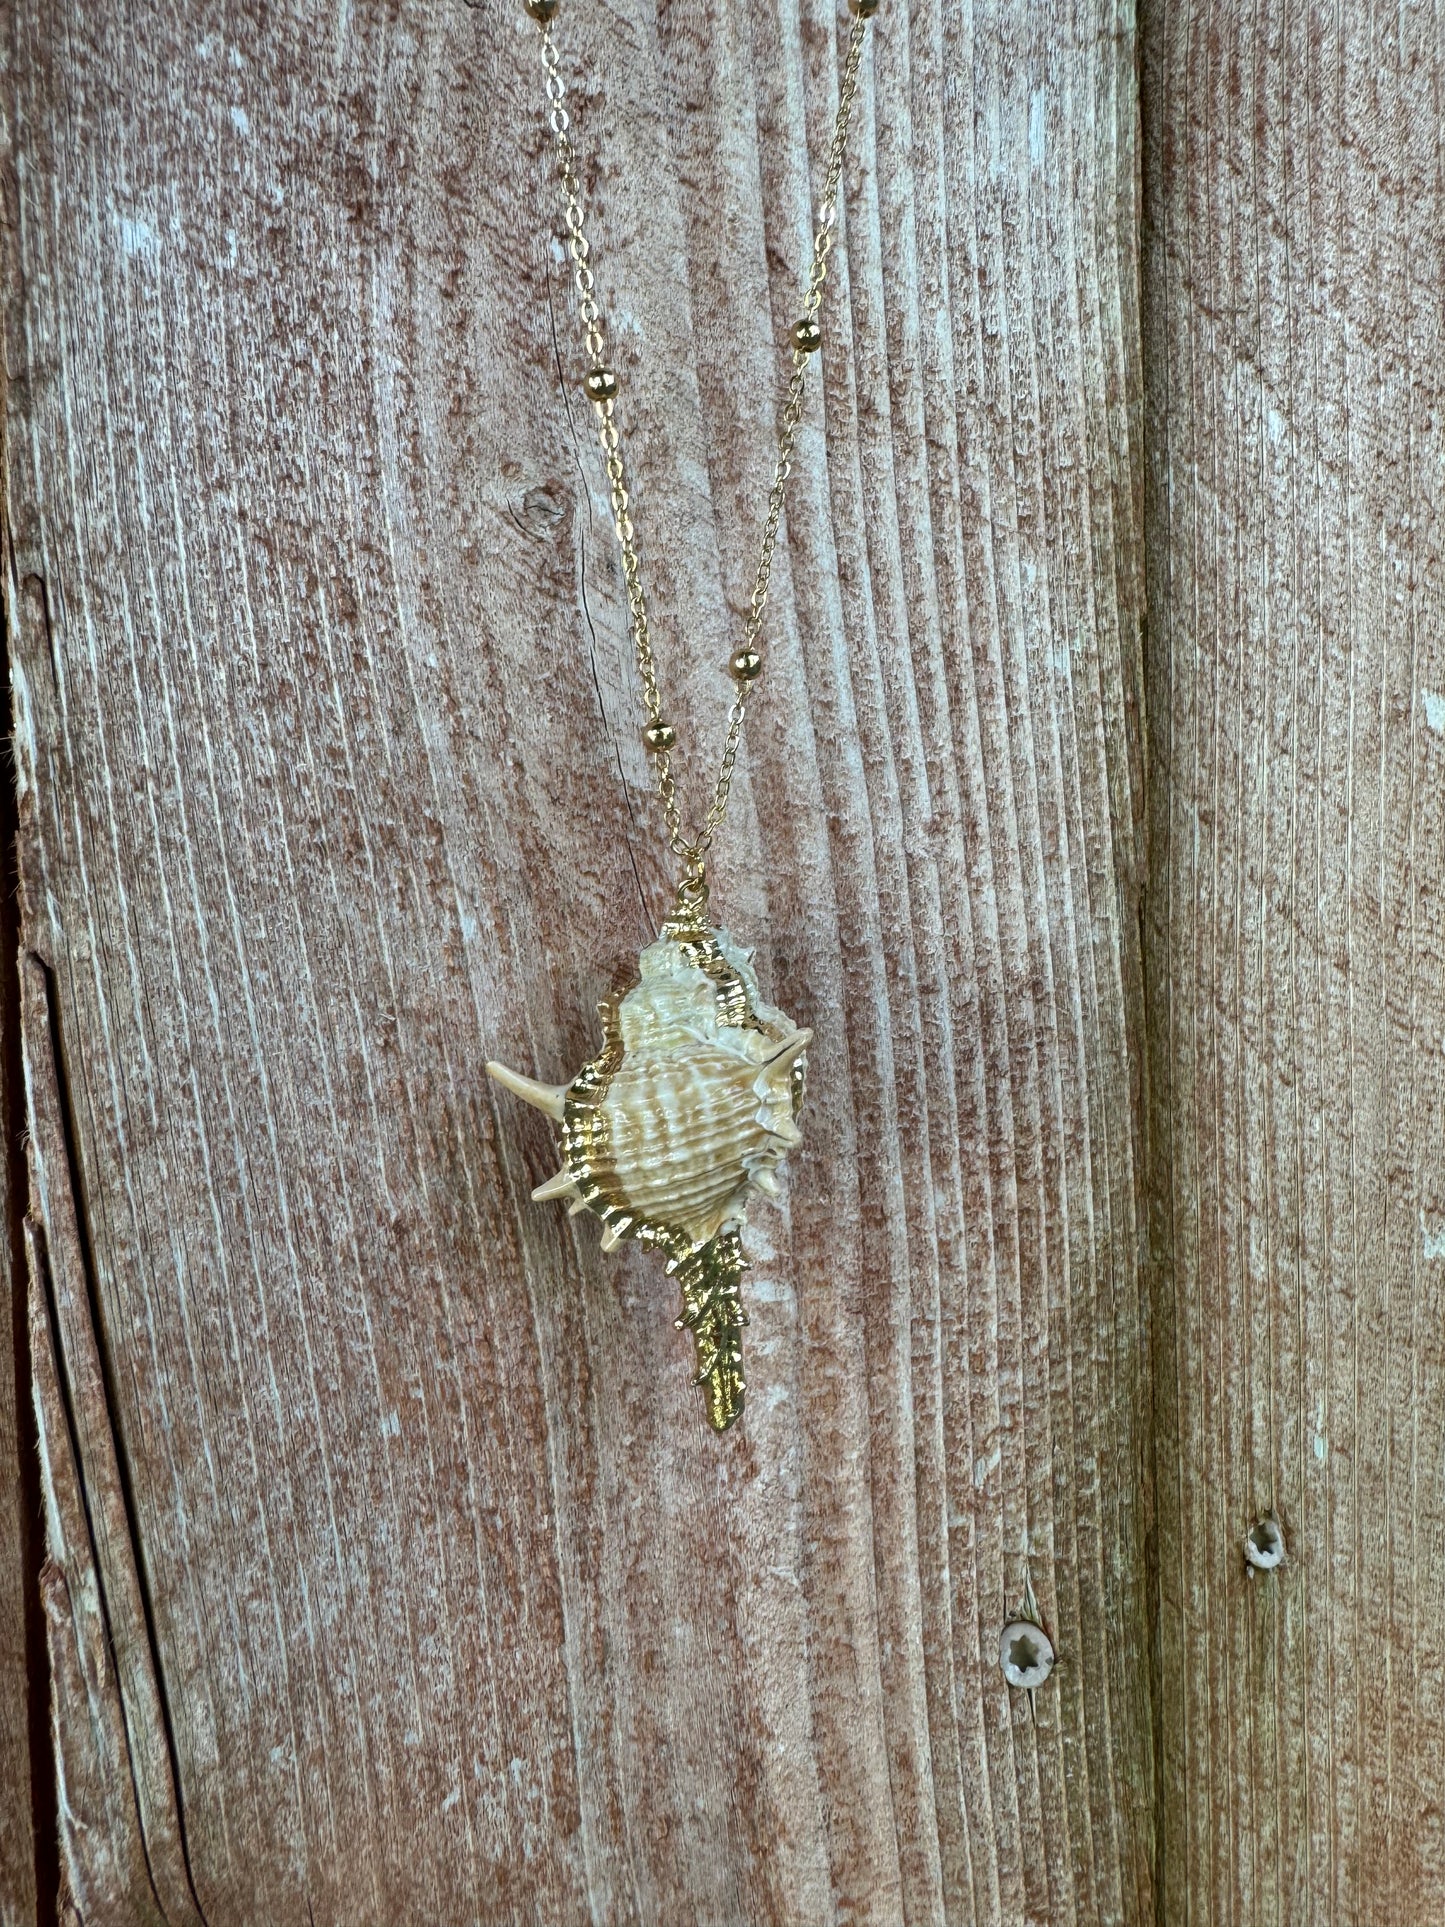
pixel 430 1595
pixel 1295 371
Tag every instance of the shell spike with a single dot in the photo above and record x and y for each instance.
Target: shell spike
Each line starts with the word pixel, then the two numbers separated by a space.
pixel 564 1185
pixel 786 1053
pixel 550 1098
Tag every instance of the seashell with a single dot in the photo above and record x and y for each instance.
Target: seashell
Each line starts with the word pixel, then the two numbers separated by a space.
pixel 689 1107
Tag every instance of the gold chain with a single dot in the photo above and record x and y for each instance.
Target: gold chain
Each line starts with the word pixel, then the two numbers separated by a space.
pixel 602 386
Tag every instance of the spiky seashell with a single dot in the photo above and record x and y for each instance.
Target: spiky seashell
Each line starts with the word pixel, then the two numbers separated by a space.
pixel 689 1107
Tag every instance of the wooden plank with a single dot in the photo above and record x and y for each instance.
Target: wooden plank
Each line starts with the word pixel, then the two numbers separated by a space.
pixel 1294 369
pixel 330 788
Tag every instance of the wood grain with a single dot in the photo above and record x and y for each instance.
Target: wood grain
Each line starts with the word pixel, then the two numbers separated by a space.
pixel 1294 367
pixel 330 787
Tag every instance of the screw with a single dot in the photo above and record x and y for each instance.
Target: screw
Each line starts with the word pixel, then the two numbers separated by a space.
pixel 1026 1654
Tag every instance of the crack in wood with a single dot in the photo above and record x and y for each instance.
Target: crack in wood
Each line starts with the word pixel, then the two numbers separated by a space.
pixel 94 1772
pixel 85 1380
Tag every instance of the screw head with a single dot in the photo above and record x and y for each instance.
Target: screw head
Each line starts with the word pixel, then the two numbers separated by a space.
pixel 1264 1544
pixel 600 383
pixel 1026 1654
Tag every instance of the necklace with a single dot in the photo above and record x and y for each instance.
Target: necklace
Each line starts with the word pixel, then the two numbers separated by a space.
pixel 693 1100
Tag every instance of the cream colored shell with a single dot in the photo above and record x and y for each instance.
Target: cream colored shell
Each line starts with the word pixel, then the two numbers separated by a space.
pixel 690 1106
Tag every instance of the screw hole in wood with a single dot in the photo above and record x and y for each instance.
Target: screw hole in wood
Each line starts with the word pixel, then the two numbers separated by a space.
pixel 1264 1545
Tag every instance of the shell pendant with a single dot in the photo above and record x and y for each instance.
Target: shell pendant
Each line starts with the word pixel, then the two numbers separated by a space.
pixel 688 1108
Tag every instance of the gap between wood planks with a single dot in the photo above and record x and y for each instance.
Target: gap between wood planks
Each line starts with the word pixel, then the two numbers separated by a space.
pixel 43 1811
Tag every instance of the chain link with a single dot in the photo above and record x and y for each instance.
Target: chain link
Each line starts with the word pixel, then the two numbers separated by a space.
pixel 693 849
